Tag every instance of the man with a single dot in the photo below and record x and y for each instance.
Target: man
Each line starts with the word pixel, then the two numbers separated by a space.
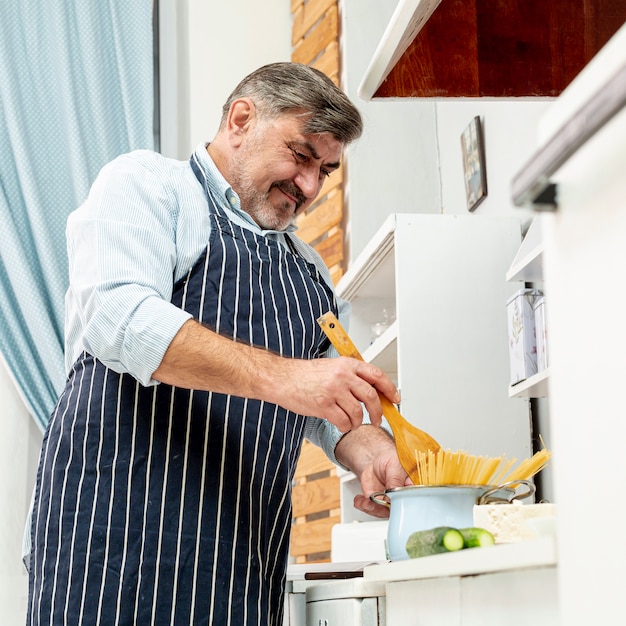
pixel 194 372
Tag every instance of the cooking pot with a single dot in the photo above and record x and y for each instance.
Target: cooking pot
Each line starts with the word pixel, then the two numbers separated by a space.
pixel 421 507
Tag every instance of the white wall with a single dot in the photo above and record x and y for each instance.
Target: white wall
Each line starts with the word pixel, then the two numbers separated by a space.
pixel 207 47
pixel 20 440
pixel 510 128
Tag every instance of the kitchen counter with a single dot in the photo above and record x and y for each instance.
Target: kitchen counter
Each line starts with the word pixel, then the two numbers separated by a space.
pixel 540 552
pixel 512 584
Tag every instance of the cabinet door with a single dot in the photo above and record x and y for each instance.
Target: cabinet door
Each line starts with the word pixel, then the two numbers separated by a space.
pixel 512 598
pixel 432 602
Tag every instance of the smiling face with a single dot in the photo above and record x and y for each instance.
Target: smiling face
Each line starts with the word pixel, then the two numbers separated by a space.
pixel 277 170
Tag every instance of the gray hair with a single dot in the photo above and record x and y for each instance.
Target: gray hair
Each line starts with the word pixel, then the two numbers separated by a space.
pixel 285 87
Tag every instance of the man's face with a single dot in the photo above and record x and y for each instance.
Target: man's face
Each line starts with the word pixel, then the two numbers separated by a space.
pixel 278 171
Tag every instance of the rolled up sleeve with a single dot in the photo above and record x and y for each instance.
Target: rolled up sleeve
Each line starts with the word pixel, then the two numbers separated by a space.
pixel 122 257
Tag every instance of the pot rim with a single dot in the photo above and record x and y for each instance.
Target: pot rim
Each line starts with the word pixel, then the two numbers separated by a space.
pixel 489 495
pixel 449 486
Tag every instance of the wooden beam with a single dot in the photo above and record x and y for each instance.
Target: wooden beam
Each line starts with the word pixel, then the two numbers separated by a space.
pixel 318 38
pixel 308 16
pixel 324 217
pixel 316 496
pixel 312 537
pixel 312 461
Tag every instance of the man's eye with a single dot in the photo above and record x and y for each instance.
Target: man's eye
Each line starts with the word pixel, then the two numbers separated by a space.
pixel 299 156
pixel 325 173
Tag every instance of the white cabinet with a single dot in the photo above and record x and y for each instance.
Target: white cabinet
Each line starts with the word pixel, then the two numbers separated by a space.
pixel 585 257
pixel 512 584
pixel 444 277
pixel 516 598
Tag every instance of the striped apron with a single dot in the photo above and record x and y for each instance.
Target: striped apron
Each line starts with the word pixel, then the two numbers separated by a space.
pixel 161 505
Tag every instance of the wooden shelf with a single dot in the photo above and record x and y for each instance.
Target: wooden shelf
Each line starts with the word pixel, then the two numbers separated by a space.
pixel 406 22
pixel 482 48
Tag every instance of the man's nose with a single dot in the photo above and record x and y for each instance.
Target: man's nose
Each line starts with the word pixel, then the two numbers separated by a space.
pixel 308 179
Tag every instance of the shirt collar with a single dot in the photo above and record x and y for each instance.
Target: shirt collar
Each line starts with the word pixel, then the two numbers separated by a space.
pixel 223 193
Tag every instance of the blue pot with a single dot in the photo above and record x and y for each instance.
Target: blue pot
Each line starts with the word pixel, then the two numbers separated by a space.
pixel 421 507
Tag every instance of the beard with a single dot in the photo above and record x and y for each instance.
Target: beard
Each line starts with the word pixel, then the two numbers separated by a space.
pixel 269 216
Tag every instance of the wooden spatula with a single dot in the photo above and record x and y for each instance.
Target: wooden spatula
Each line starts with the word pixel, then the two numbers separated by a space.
pixel 408 438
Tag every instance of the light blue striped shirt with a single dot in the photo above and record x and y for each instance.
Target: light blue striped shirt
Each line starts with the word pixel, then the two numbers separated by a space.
pixel 142 227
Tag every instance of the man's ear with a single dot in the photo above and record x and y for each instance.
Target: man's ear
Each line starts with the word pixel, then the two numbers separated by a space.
pixel 241 115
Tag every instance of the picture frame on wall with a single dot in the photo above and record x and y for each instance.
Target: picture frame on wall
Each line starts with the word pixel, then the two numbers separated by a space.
pixel 474 167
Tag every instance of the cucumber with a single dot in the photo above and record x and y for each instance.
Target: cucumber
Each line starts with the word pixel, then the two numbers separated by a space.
pixel 434 541
pixel 476 537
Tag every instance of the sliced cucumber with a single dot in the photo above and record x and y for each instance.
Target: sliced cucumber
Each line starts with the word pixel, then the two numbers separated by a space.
pixel 476 537
pixel 434 541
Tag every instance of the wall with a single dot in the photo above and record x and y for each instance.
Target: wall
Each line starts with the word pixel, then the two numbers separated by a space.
pixel 206 48
pixel 20 440
pixel 510 129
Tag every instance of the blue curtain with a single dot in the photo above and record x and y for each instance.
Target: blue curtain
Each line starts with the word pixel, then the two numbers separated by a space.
pixel 76 90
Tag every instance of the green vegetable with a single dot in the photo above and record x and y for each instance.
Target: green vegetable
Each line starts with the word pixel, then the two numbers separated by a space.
pixel 434 541
pixel 446 539
pixel 476 537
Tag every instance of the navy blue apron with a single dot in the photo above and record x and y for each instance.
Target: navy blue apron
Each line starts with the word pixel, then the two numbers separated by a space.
pixel 161 505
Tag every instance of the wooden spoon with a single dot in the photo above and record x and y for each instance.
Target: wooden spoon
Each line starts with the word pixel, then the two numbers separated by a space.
pixel 409 439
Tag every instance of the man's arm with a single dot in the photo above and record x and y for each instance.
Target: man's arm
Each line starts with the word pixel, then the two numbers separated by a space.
pixel 334 389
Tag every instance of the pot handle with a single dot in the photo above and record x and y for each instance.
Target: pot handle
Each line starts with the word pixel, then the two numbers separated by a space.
pixel 376 498
pixel 487 498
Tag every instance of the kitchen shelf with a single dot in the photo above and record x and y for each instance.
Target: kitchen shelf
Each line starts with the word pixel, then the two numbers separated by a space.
pixel 471 48
pixel 534 387
pixel 373 272
pixel 531 553
pixel 527 267
pixel 407 21
pixel 382 352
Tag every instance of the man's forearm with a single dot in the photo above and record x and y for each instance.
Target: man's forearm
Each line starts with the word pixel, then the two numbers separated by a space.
pixel 201 359
pixel 358 448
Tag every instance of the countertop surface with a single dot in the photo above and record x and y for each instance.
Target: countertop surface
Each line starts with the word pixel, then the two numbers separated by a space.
pixel 531 553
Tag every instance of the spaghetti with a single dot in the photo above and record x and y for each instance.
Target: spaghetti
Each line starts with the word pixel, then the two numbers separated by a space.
pixel 446 467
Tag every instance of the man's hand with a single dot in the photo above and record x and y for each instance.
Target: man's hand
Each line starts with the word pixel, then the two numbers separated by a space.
pixel 384 472
pixel 371 454
pixel 337 389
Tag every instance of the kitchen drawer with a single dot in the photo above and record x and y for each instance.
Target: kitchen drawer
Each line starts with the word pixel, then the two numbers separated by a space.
pixel 346 603
pixel 345 612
